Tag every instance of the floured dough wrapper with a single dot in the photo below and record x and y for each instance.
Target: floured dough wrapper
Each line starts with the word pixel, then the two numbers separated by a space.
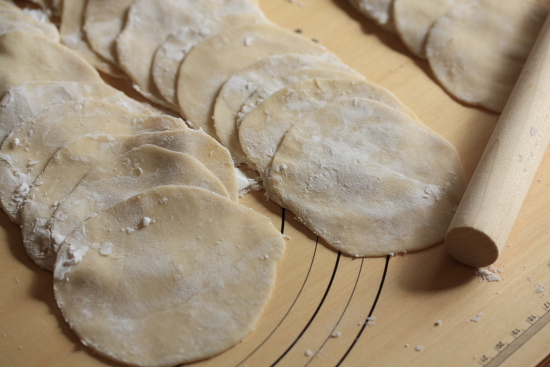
pixel 413 19
pixel 103 22
pixel 133 172
pixel 70 164
pixel 189 282
pixel 171 53
pixel 248 87
pixel 28 57
pixel 29 148
pixel 28 101
pixel 72 35
pixel 479 62
pixel 150 22
pixel 368 179
pixel 263 129
pixel 212 62
pixel 13 18
pixel 379 11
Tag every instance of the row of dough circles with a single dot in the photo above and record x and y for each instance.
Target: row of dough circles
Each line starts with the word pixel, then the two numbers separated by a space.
pixel 137 212
pixel 475 48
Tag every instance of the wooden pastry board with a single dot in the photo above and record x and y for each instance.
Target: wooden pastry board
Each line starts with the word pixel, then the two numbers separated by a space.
pixel 322 299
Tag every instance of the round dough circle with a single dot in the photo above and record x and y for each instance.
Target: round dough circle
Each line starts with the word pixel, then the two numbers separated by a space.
pixel 148 24
pixel 368 179
pixel 171 53
pixel 248 87
pixel 135 171
pixel 187 286
pixel 263 129
pixel 32 58
pixel 413 19
pixel 479 61
pixel 103 22
pixel 210 63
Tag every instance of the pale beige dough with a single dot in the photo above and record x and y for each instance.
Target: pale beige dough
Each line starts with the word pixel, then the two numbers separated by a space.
pixel 29 148
pixel 28 101
pixel 262 130
pixel 27 57
pixel 212 62
pixel 111 182
pixel 13 18
pixel 379 11
pixel 148 24
pixel 368 179
pixel 72 35
pixel 103 22
pixel 248 87
pixel 479 61
pixel 188 286
pixel 171 53
pixel 70 164
pixel 413 19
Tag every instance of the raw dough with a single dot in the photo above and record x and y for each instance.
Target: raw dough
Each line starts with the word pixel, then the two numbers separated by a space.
pixel 171 53
pixel 28 149
pixel 133 172
pixel 12 18
pixel 28 57
pixel 209 64
pixel 479 61
pixel 262 130
pixel 28 101
pixel 103 22
pixel 259 80
pixel 71 163
pixel 148 24
pixel 186 287
pixel 413 19
pixel 72 35
pixel 379 11
pixel 368 179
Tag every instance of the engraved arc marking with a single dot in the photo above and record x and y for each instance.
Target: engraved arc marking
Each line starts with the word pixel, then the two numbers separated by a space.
pixel 295 300
pixel 316 311
pixel 370 312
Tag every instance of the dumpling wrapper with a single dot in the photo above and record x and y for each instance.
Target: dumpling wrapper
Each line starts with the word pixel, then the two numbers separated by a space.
pixel 263 129
pixel 70 164
pixel 368 179
pixel 212 62
pixel 28 101
pixel 135 171
pixel 29 148
pixel 187 286
pixel 479 61
pixel 73 36
pixel 413 20
pixel 103 22
pixel 13 18
pixel 379 11
pixel 248 87
pixel 170 53
pixel 150 22
pixel 28 57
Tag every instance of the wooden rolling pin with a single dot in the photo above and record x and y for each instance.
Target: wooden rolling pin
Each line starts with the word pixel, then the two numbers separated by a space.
pixel 490 206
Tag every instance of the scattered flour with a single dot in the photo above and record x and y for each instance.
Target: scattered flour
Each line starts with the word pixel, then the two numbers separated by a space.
pixel 489 274
pixel 477 317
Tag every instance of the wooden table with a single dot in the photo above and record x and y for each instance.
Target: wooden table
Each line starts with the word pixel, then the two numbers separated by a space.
pixel 423 303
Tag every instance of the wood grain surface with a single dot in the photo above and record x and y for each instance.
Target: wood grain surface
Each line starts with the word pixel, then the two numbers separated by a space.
pixel 317 315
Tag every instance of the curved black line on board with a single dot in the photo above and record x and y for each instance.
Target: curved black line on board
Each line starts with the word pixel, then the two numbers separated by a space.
pixel 370 313
pixel 342 315
pixel 316 311
pixel 283 220
pixel 291 306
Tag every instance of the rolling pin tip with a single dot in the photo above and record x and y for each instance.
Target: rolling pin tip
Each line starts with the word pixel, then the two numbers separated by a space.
pixel 471 247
